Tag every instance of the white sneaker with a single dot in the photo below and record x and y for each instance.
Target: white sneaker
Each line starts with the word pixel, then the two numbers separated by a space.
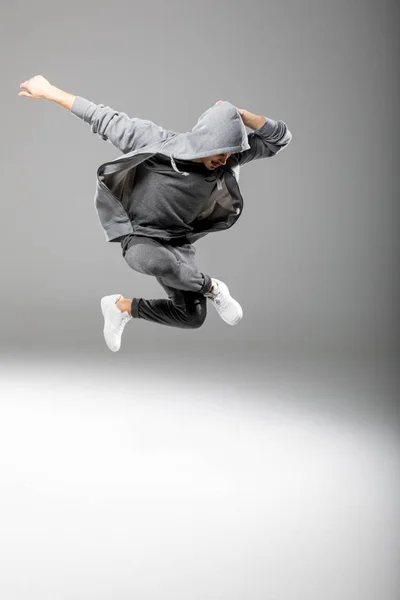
pixel 114 321
pixel 228 309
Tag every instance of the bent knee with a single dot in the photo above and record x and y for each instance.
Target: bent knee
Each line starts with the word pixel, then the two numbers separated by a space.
pixel 197 316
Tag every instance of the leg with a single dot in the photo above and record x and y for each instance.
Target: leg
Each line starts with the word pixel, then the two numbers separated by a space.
pixel 175 270
pixel 174 267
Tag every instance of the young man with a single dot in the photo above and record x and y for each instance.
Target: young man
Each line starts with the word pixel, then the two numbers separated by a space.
pixel 166 191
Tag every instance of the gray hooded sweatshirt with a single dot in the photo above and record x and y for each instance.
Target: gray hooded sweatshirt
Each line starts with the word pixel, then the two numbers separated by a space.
pixel 219 130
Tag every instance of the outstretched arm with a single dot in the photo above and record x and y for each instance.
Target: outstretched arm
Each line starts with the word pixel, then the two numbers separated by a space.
pixel 121 131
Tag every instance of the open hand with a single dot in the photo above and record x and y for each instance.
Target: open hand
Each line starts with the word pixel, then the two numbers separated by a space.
pixel 36 87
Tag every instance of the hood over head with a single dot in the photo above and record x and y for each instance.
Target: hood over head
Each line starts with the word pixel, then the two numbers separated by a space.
pixel 219 130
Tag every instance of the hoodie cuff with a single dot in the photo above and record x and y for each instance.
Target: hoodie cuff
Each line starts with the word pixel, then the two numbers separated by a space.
pixel 268 129
pixel 80 106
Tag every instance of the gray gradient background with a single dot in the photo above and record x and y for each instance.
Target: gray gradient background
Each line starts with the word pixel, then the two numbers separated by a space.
pixel 255 461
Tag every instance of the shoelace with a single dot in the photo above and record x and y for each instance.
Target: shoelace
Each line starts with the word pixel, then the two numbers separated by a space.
pixel 221 301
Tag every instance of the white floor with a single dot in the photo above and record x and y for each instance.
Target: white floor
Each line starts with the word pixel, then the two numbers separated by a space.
pixel 227 477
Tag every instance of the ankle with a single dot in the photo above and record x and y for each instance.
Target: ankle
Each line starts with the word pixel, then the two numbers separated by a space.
pixel 124 304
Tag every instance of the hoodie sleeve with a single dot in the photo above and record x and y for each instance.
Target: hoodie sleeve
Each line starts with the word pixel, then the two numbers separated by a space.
pixel 266 141
pixel 121 131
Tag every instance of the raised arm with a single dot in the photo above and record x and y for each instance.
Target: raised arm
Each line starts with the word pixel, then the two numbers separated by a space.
pixel 121 131
pixel 268 138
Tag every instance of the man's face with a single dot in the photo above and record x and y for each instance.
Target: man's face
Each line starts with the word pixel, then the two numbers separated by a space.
pixel 212 162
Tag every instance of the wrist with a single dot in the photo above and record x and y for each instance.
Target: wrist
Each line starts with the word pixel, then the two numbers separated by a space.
pixel 51 93
pixel 60 97
pixel 251 120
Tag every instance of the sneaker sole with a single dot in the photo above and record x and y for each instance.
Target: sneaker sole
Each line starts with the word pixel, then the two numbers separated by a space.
pixel 239 317
pixel 103 305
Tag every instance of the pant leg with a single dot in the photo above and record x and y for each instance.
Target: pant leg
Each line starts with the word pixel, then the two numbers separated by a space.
pixel 175 269
pixel 183 309
pixel 173 264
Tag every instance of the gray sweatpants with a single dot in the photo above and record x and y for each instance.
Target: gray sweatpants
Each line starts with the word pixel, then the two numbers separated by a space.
pixel 172 264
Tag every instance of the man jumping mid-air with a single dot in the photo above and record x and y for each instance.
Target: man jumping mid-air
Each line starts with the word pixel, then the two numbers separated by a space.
pixel 166 191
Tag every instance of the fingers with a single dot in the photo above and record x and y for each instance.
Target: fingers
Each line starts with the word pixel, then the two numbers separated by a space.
pixel 241 110
pixel 24 89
